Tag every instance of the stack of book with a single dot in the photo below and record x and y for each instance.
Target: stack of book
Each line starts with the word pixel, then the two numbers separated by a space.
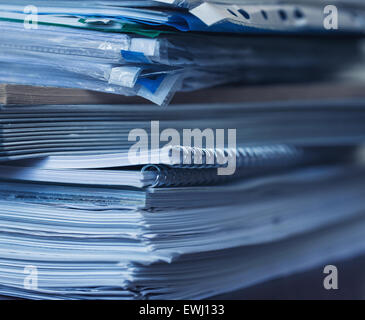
pixel 255 169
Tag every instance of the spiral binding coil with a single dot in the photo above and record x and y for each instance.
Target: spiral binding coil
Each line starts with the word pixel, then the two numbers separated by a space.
pixel 249 161
pixel 258 156
pixel 171 177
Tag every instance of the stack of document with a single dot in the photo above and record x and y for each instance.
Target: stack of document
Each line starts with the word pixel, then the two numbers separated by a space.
pixel 84 131
pixel 109 197
pixel 152 49
pixel 80 220
pixel 118 242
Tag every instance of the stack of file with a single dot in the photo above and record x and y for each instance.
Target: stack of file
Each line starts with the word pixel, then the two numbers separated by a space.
pixel 152 50
pixel 103 197
pixel 94 226
pixel 81 131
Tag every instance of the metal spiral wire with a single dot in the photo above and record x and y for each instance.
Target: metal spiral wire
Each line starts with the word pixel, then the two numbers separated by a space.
pixel 175 177
pixel 194 158
pixel 249 161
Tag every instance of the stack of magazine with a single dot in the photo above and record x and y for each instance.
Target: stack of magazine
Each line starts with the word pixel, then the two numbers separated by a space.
pixel 252 170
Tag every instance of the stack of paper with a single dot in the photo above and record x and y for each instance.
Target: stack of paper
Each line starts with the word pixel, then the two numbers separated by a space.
pixel 93 225
pixel 84 130
pixel 192 242
pixel 119 47
pixel 106 197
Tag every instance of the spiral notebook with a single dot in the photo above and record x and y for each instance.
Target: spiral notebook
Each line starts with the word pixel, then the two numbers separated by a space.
pixel 203 167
